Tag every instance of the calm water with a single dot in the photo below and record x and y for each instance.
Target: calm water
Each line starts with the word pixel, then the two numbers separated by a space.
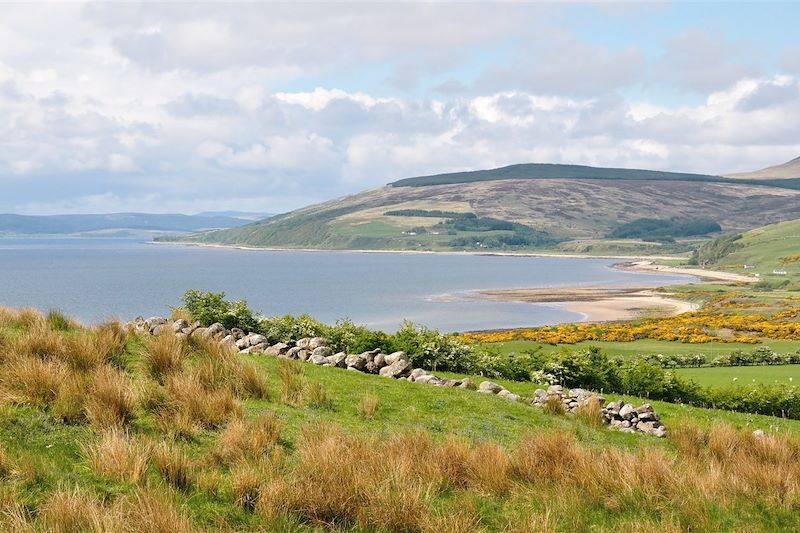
pixel 93 279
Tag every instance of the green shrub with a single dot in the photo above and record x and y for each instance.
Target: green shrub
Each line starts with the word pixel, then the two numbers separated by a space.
pixel 489 362
pixel 773 400
pixel 289 328
pixel 345 336
pixel 211 307
pixel 433 350
pixel 657 229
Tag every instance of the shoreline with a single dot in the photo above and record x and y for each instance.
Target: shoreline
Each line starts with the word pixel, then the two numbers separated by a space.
pixel 427 252
pixel 593 304
pixel 647 266
pixel 598 304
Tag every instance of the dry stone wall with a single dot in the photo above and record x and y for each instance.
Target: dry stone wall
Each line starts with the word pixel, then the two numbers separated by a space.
pixel 397 365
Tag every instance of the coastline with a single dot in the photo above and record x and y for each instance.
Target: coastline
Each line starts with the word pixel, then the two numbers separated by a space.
pixel 594 304
pixel 632 258
pixel 599 304
pixel 647 266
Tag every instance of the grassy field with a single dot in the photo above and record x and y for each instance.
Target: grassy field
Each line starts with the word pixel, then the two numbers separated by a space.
pixel 103 431
pixel 726 376
pixel 649 346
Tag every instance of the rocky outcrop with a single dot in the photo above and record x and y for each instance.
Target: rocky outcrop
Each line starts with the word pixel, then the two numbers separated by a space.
pixel 397 365
pixel 629 419
pixel 618 415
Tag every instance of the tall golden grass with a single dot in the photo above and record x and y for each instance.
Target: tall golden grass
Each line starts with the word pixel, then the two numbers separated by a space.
pixel 70 510
pixel 31 380
pixel 111 401
pixel 6 465
pixel 340 479
pixel 250 439
pixel 117 456
pixel 174 465
pixel 70 402
pixel 164 355
pixel 220 365
pixel 292 382
pixel 208 408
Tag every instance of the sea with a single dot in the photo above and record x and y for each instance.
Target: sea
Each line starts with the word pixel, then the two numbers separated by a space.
pixel 93 279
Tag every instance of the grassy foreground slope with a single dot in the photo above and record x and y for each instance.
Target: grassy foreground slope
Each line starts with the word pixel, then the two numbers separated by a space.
pixel 566 201
pixel 104 431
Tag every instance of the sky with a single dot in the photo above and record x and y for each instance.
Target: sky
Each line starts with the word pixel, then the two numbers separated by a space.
pixel 266 107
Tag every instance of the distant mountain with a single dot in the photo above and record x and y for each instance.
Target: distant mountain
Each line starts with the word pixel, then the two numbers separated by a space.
pixel 788 170
pixel 245 215
pixel 550 171
pixel 516 207
pixel 65 224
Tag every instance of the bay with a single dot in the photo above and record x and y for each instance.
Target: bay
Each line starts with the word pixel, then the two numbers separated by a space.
pixel 93 279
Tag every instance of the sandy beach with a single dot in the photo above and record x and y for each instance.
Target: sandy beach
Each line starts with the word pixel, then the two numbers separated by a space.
pixel 706 275
pixel 599 304
pixel 634 259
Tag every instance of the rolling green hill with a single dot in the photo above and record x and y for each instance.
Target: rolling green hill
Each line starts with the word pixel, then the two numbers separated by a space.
pixel 542 205
pixel 767 251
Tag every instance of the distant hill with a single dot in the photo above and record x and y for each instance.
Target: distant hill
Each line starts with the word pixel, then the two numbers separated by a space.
pixel 788 170
pixel 540 171
pixel 64 224
pixel 244 215
pixel 516 208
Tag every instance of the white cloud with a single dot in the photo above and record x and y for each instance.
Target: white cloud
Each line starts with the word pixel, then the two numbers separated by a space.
pixel 121 163
pixel 319 98
pixel 158 106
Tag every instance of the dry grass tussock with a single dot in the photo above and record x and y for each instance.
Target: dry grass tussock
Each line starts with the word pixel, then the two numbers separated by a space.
pixel 71 510
pixel 40 341
pixel 164 355
pixel 338 479
pixel 111 401
pixel 292 382
pixel 318 397
pixel 9 318
pixel 553 406
pixel 192 400
pixel 368 406
pixel 70 402
pixel 6 465
pixel 174 465
pixel 117 456
pixel 28 317
pixel 31 380
pixel 590 413
pixel 250 439
pixel 219 365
